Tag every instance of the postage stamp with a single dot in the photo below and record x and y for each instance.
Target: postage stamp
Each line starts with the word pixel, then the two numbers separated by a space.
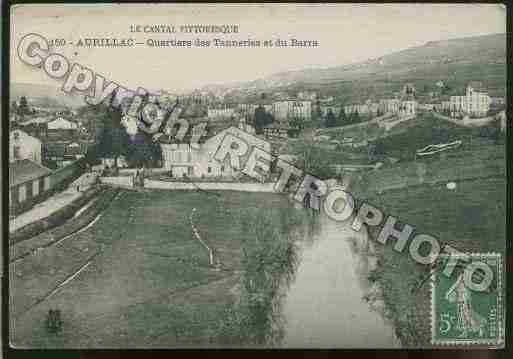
pixel 463 313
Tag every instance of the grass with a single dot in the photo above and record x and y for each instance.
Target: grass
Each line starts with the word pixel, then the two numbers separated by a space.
pixel 470 218
pixel 404 139
pixel 150 283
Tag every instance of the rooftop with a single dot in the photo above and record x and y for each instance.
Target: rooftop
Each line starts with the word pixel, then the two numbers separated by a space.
pixel 25 170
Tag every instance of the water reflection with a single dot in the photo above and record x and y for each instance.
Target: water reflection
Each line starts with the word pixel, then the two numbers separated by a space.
pixel 328 304
pixel 270 260
pixel 319 300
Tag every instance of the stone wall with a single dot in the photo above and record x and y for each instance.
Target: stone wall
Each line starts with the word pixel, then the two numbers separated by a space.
pixel 118 181
pixel 213 186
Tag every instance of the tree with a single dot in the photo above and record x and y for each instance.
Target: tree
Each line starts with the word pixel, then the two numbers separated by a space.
pixel 331 121
pixel 14 108
pixel 142 151
pixel 296 123
pixel 317 113
pixel 23 108
pixel 342 118
pixel 114 139
pixel 355 117
pixel 260 119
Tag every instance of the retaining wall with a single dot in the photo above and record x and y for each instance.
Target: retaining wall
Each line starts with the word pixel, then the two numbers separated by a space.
pixel 55 219
pixel 119 181
pixel 470 122
pixel 213 186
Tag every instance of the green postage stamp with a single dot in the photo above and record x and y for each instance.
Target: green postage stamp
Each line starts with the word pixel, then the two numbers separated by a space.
pixel 466 306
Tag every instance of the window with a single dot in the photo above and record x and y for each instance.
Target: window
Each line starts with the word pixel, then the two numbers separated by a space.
pixel 35 187
pixel 16 151
pixel 209 169
pixel 222 168
pixel 22 194
pixel 46 185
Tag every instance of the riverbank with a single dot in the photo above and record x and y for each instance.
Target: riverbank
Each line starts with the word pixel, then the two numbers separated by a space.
pixel 471 218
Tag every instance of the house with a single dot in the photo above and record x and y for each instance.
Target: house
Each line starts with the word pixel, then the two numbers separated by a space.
pixel 408 108
pixel 224 112
pixel 427 106
pixel 186 160
pixel 325 109
pixel 497 101
pixel 286 109
pixel 307 95
pixel 389 105
pixel 277 130
pixel 28 180
pixel 23 146
pixel 368 108
pixel 475 102
pixel 408 90
pixel 62 124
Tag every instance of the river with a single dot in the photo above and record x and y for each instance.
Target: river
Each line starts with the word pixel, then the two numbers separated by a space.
pixel 324 306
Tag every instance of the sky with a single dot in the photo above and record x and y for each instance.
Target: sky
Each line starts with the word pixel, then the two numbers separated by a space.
pixel 346 33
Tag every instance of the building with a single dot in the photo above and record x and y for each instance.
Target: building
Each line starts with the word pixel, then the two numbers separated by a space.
pixel 497 101
pixel 287 109
pixel 427 106
pixel 408 90
pixel 62 124
pixel 277 130
pixel 184 160
pixel 28 180
pixel 368 108
pixel 408 108
pixel 307 95
pixel 23 146
pixel 325 109
pixel 220 112
pixel 246 109
pixel 475 102
pixel 389 105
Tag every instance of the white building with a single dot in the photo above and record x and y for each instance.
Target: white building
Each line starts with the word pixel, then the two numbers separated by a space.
pixel 286 109
pixel 307 95
pixel 62 124
pixel 389 105
pixel 408 108
pixel 475 102
pixel 366 108
pixel 185 160
pixel 220 112
pixel 23 146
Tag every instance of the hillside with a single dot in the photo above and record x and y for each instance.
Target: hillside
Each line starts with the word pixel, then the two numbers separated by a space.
pixel 455 61
pixel 44 95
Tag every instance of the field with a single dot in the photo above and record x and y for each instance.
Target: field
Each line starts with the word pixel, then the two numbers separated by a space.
pixel 138 278
pixel 470 218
